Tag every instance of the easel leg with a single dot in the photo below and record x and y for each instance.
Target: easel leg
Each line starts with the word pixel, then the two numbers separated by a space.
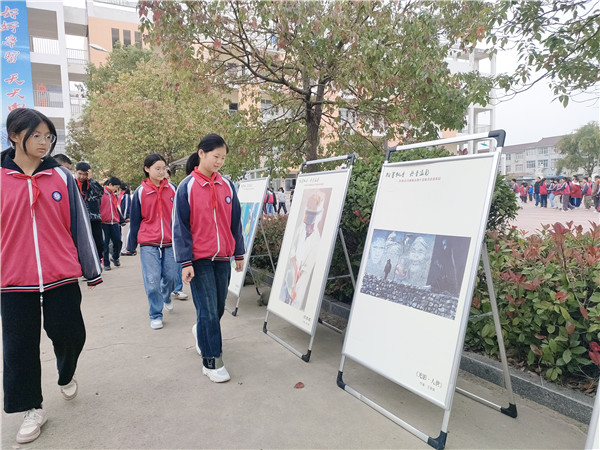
pixel 512 409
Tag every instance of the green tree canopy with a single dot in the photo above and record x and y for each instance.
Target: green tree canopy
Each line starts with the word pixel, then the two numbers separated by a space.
pixel 580 150
pixel 557 39
pixel 333 70
pixel 155 109
pixel 120 60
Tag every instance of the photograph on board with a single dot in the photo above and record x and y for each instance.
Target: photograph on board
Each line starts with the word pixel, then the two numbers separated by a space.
pixel 250 216
pixel 305 245
pixel 422 271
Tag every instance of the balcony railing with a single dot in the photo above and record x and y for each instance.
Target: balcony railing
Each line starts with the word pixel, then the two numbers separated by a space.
pixel 44 45
pixel 48 98
pixel 77 56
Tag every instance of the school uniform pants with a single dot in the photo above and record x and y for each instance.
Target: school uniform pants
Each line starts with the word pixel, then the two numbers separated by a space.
pixel 21 330
pixel 112 232
pixel 209 291
pixel 98 238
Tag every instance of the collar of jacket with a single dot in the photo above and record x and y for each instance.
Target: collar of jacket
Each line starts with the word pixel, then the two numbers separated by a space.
pixel 8 162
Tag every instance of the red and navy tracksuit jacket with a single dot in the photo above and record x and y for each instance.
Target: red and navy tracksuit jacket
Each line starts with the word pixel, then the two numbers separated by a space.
pixel 45 233
pixel 207 220
pixel 150 219
pixel 109 208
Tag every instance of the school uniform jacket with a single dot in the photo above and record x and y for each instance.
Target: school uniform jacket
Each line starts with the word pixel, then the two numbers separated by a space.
pixel 206 220
pixel 45 233
pixel 109 210
pixel 151 211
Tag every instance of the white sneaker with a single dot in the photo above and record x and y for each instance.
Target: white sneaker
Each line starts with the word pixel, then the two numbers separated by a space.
pixel 169 306
pixel 69 391
pixel 156 324
pixel 217 375
pixel 32 425
pixel 178 295
pixel 194 332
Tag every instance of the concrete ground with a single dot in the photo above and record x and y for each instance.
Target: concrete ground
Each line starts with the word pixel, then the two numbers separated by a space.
pixel 144 388
pixel 532 218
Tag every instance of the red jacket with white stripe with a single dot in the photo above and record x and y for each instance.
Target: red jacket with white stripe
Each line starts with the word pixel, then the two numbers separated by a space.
pixel 150 218
pixel 45 233
pixel 207 220
pixel 109 211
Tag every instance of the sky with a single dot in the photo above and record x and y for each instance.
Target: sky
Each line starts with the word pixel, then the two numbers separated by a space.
pixel 532 115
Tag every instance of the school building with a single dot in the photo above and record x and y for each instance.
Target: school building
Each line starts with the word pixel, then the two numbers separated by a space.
pixel 532 159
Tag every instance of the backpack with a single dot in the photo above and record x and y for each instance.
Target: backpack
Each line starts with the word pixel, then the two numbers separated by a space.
pixel 586 188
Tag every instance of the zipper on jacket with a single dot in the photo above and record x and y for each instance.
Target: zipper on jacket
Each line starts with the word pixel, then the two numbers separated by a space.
pixel 218 239
pixel 36 242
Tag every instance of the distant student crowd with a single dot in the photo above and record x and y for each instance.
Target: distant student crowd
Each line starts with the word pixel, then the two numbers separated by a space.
pixel 563 193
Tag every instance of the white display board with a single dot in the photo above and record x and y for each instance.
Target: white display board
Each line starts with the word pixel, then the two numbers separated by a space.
pixel 307 247
pixel 250 194
pixel 416 279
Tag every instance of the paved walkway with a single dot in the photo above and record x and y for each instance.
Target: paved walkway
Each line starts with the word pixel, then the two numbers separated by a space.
pixel 532 218
pixel 143 388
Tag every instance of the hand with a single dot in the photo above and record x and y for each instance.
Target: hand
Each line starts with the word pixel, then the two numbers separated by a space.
pixel 187 273
pixel 239 265
pixel 91 288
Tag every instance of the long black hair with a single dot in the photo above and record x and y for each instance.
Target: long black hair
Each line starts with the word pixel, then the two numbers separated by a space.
pixel 207 144
pixel 26 119
pixel 150 160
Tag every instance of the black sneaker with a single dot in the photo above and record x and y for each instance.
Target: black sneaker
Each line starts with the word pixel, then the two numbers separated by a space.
pixel 116 262
pixel 106 267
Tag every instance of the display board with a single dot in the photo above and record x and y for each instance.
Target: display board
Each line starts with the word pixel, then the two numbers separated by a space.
pixel 250 194
pixel 416 279
pixel 307 246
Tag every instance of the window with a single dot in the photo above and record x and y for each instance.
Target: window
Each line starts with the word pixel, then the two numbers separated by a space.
pixel 542 151
pixel 115 36
pixel 138 38
pixel 126 38
pixel 531 164
pixel 518 156
pixel 508 156
pixel 519 168
pixel 508 169
pixel 530 152
pixel 269 112
pixel 543 163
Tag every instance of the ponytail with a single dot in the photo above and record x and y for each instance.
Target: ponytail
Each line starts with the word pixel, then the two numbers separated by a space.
pixel 193 161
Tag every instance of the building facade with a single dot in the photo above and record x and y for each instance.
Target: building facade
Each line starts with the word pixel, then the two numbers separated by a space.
pixel 532 159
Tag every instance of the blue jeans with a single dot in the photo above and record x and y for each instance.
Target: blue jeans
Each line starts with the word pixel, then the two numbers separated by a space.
pixel 209 291
pixel 159 272
pixel 178 281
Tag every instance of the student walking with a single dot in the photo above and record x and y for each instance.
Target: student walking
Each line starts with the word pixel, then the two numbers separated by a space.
pixel 92 192
pixel 111 221
pixel 46 245
pixel 150 226
pixel 207 233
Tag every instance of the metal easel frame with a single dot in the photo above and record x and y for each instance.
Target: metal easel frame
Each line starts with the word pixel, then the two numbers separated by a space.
pixel 248 268
pixel 306 356
pixel 440 441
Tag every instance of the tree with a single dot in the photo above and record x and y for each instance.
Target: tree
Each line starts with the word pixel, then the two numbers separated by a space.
pixel 154 109
pixel 581 150
pixel 333 70
pixel 559 39
pixel 120 60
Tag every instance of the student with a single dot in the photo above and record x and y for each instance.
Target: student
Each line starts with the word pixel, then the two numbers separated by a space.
pixel 91 191
pixel 111 221
pixel 150 226
pixel 207 233
pixel 45 247
pixel 281 199
pixel 64 161
pixel 124 201
pixel 543 193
